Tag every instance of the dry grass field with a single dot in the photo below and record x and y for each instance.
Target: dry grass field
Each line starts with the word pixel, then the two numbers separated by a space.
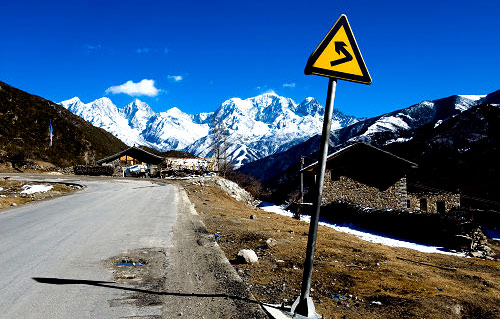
pixel 352 278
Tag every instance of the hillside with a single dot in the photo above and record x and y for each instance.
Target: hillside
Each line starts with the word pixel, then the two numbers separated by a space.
pixel 460 154
pixel 454 141
pixel 24 131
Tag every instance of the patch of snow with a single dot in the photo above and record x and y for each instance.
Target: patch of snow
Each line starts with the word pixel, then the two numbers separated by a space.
pixel 473 97
pixel 364 234
pixel 389 123
pixel 31 189
pixel 398 140
pixel 1 189
pixel 438 123
pixel 271 208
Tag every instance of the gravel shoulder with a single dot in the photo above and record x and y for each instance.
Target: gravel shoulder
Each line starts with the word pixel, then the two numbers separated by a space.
pixel 201 283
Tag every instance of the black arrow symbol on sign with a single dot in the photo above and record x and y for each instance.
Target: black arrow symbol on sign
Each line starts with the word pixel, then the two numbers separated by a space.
pixel 339 47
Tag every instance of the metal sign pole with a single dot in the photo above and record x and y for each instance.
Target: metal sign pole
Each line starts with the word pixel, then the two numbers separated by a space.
pixel 301 180
pixel 303 305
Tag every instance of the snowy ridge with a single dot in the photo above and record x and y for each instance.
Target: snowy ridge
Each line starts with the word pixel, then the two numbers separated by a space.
pixel 104 114
pixel 255 127
pixel 137 123
pixel 393 124
pixel 266 124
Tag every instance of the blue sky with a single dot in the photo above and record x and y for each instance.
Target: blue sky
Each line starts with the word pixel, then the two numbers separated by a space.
pixel 200 53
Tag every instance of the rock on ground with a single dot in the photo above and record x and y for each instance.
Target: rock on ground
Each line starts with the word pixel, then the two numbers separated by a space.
pixel 248 255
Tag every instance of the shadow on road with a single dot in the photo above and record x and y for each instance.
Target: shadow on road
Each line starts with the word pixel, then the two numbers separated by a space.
pixel 112 285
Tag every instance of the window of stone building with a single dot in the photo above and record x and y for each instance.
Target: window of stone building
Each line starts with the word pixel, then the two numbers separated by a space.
pixel 440 207
pixel 408 203
pixel 423 204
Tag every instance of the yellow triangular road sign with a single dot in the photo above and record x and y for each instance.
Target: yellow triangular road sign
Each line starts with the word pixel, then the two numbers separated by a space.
pixel 338 56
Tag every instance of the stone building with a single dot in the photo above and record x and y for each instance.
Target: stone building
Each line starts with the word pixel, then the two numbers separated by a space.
pixel 365 175
pixel 432 202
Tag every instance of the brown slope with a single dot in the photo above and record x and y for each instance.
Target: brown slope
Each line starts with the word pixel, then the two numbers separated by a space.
pixel 24 128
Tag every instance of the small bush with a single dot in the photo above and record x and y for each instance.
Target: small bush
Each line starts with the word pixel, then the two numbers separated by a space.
pixel 248 183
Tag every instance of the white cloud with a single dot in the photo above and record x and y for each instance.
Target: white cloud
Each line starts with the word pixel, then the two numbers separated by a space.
pixel 145 87
pixel 143 50
pixel 289 85
pixel 176 78
pixel 92 47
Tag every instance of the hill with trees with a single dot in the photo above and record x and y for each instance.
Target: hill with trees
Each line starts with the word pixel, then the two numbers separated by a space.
pixel 25 121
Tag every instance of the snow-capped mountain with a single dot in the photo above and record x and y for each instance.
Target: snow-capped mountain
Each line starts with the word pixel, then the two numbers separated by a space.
pixel 137 123
pixel 394 127
pixel 255 127
pixel 265 124
pixel 138 114
pixel 104 114
pixel 174 129
pixel 391 127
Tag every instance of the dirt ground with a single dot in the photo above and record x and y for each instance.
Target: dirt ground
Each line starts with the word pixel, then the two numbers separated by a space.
pixel 352 278
pixel 10 192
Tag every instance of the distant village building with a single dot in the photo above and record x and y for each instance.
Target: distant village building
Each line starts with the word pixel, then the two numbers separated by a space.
pixel 193 164
pixel 133 161
pixel 132 156
pixel 366 175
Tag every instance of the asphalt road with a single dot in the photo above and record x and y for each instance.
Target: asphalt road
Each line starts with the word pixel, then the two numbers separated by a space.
pixel 69 237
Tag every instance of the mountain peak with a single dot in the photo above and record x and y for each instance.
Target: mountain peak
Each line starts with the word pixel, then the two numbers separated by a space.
pixel 310 106
pixel 137 113
pixel 137 105
pixel 140 103
pixel 103 101
pixel 72 104
pixel 270 93
pixel 174 111
pixel 75 99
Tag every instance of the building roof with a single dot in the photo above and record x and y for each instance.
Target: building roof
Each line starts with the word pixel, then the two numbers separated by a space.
pixel 366 164
pixel 134 152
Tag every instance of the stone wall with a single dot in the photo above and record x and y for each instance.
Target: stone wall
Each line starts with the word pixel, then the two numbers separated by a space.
pixel 448 200
pixel 347 189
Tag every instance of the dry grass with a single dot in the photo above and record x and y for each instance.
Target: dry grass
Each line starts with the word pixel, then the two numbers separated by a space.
pixel 349 274
pixel 10 195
